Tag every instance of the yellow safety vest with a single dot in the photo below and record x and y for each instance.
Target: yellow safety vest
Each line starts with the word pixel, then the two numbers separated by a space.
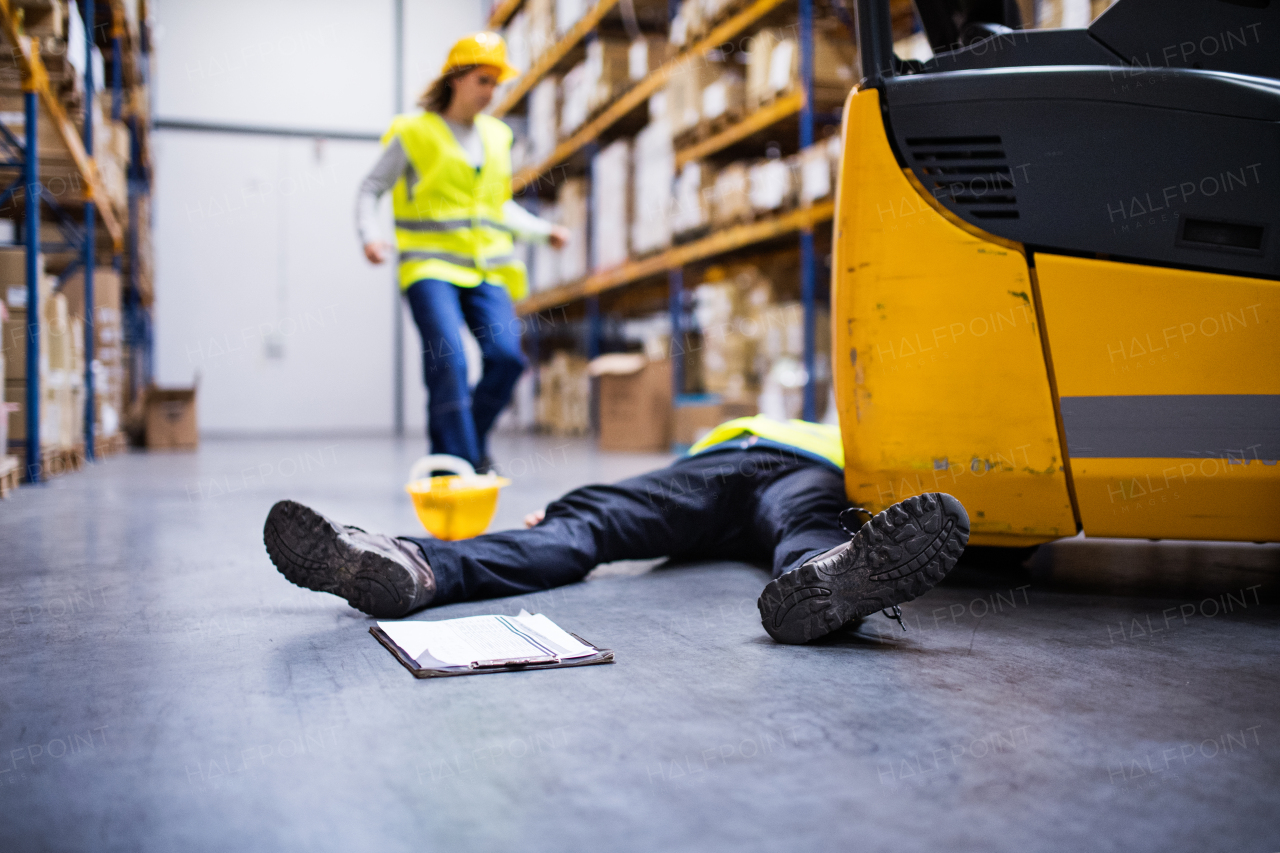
pixel 448 213
pixel 820 440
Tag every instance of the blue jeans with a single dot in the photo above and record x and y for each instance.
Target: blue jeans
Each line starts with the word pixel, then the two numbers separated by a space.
pixel 458 418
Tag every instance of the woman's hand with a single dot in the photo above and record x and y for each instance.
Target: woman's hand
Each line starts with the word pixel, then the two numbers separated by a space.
pixel 559 237
pixel 376 251
pixel 533 519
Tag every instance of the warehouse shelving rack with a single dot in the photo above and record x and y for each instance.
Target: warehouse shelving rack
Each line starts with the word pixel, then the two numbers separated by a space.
pixel 128 60
pixel 800 222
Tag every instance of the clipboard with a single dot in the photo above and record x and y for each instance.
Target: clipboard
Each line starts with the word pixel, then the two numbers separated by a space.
pixel 484 667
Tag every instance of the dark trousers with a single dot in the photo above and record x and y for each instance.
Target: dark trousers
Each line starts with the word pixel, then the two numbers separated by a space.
pixel 765 506
pixel 458 418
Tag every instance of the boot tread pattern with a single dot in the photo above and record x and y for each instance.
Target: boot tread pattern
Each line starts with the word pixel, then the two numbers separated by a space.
pixel 897 556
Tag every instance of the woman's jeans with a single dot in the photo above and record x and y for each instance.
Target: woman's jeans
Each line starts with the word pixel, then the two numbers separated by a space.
pixel 459 418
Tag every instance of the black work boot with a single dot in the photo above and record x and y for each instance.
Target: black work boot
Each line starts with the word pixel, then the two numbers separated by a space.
pixel 377 575
pixel 898 555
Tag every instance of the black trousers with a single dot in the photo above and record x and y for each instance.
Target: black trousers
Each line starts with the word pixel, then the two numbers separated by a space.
pixel 760 505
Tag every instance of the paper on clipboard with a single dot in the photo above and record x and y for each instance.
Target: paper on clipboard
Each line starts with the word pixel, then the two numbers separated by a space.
pixel 462 642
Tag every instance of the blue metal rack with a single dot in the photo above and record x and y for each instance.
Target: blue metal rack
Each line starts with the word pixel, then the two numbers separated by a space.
pixel 80 238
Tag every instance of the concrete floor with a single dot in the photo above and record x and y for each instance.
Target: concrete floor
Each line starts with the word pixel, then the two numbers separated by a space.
pixel 162 688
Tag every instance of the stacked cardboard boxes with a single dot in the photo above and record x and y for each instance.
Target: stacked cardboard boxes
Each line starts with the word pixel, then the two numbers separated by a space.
pixel 571 203
pixel 594 82
pixel 541 26
pixel 816 169
pixel 575 99
pixel 608 70
pixel 684 93
pixel 611 199
pixel 751 349
pixel 691 202
pixel 562 404
pixel 655 160
pixel 108 356
pixel 544 109
pixel 773 66
pixel 730 196
pixel 695 19
pixel 723 99
pixel 645 55
pixel 16 332
pixel 545 273
pixel 771 186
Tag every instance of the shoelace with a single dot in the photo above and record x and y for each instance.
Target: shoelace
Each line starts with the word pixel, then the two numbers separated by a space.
pixel 894 612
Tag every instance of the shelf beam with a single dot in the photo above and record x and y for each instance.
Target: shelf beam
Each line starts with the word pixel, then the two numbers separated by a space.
pixel 719 243
pixel 637 94
pixel 766 116
pixel 36 79
pixel 551 57
pixel 502 12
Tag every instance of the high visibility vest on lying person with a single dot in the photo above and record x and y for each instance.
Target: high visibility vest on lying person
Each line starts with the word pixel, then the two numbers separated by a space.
pixel 819 441
pixel 448 213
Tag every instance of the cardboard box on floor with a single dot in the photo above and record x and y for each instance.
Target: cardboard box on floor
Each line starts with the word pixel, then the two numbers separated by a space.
pixel 171 419
pixel 635 402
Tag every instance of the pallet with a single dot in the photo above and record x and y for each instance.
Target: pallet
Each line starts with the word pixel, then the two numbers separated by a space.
pixel 10 474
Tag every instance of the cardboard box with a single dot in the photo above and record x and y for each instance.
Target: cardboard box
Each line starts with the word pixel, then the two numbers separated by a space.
pixel 61 411
pixel 655 163
pixel 723 97
pixel 645 55
pixel 544 111
pixel 684 92
pixel 575 99
pixel 611 204
pixel 695 418
pixel 730 196
pixel 773 66
pixel 171 419
pixel 691 202
pixel 542 26
pixel 563 395
pixel 636 410
pixel 16 330
pixel 772 186
pixel 816 168
pixel 608 70
pixel 572 206
pixel 106 291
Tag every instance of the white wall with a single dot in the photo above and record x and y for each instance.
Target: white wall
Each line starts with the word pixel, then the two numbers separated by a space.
pixel 260 284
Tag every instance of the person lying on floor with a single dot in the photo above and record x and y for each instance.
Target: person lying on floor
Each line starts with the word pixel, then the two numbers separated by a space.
pixel 755 489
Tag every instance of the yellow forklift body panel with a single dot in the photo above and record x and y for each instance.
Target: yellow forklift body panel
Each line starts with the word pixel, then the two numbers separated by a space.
pixel 1120 331
pixel 939 365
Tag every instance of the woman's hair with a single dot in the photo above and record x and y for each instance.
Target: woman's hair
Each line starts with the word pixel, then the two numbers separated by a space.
pixel 439 94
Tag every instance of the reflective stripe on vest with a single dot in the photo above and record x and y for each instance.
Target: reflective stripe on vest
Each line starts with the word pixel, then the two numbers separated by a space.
pixel 449 222
pixel 458 260
pixel 818 439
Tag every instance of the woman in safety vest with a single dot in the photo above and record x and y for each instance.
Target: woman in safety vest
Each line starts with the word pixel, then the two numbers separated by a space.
pixel 449 170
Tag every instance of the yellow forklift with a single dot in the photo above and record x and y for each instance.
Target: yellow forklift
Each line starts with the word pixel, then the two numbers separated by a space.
pixel 1056 272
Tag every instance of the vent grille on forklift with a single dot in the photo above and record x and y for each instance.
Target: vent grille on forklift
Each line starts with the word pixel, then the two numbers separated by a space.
pixel 972 171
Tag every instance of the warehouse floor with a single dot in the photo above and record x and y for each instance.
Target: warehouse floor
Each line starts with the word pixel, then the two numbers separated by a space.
pixel 165 689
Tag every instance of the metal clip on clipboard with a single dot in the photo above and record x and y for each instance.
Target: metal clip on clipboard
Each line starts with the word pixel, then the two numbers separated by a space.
pixel 514 663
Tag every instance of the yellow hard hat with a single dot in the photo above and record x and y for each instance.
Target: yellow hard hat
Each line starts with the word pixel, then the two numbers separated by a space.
pixel 481 49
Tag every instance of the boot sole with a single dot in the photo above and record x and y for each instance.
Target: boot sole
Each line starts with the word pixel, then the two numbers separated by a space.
pixel 312 552
pixel 903 553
